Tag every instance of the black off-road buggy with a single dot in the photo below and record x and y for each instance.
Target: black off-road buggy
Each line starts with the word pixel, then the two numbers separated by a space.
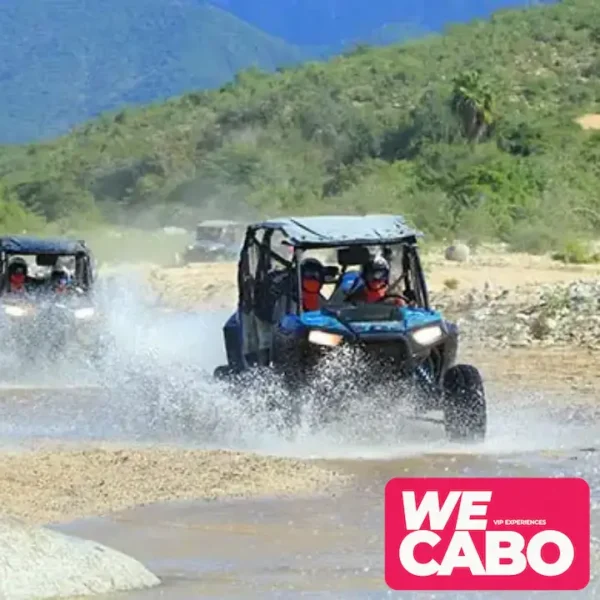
pixel 215 241
pixel 411 344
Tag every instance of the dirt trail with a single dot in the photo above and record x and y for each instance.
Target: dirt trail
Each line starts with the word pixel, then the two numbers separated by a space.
pixel 589 121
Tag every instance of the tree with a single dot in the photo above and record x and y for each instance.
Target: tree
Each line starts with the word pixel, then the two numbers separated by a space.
pixel 473 104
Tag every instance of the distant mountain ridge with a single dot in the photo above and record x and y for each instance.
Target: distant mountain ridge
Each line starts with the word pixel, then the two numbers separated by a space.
pixel 64 61
pixel 336 23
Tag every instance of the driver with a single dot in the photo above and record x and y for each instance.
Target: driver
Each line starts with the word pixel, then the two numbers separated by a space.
pixel 375 275
pixel 17 275
pixel 311 274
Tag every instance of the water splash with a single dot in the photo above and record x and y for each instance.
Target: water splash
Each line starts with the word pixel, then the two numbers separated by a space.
pixel 156 384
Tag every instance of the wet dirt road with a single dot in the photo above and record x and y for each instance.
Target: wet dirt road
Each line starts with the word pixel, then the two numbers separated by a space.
pixel 297 548
pixel 315 548
pixel 327 547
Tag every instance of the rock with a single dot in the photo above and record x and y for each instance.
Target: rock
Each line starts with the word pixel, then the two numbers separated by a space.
pixel 36 562
pixel 457 253
pixel 540 328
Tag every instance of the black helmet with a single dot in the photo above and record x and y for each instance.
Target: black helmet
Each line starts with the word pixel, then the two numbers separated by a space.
pixel 58 272
pixel 311 268
pixel 59 275
pixel 377 268
pixel 17 265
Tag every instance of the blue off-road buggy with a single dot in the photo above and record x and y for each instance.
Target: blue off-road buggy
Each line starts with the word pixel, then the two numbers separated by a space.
pixel 410 344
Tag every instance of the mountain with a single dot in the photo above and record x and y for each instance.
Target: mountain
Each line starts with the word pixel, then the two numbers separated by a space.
pixel 470 132
pixel 337 23
pixel 63 61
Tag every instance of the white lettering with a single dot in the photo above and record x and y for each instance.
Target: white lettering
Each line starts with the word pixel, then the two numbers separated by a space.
pixel 494 553
pixel 468 510
pixel 506 552
pixel 430 505
pixel 439 516
pixel 462 553
pixel 565 548
pixel 407 553
pixel 461 542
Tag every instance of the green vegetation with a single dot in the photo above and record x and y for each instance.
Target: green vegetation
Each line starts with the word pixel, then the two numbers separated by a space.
pixel 576 252
pixel 469 134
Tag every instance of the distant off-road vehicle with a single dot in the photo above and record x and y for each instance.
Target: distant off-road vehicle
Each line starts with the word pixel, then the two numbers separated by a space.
pixel 46 298
pixel 215 241
pixel 397 338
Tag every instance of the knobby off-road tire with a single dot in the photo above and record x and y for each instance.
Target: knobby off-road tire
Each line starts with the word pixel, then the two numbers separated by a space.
pixel 224 373
pixel 297 370
pixel 289 365
pixel 464 403
pixel 287 360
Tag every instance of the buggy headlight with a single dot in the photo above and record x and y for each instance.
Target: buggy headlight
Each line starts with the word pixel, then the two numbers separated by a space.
pixel 322 338
pixel 84 313
pixel 15 311
pixel 427 335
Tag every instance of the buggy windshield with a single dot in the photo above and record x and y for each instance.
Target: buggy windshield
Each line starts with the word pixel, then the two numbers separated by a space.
pixel 209 234
pixel 403 271
pixel 227 234
pixel 23 274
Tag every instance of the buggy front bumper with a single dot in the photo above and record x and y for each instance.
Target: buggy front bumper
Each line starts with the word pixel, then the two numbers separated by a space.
pixel 29 329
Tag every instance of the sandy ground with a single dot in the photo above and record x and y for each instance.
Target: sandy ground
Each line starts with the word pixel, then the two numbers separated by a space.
pixel 53 484
pixel 57 484
pixel 589 121
pixel 568 369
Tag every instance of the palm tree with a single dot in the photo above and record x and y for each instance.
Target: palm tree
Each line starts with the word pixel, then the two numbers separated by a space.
pixel 473 103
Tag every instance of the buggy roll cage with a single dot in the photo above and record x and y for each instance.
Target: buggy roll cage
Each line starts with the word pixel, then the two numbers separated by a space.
pixel 222 227
pixel 252 278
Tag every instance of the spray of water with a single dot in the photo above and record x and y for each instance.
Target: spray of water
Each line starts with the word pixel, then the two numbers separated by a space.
pixel 154 383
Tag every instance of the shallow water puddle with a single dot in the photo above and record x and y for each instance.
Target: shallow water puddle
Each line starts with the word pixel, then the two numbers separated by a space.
pixel 328 547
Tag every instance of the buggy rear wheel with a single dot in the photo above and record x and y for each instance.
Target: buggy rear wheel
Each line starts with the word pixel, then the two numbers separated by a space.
pixel 223 373
pixel 465 410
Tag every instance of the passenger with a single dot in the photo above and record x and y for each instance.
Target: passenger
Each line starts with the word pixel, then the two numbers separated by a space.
pixel 17 275
pixel 311 274
pixel 60 280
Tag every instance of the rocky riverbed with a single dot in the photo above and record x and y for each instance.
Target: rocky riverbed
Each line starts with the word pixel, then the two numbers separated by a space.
pixel 529 315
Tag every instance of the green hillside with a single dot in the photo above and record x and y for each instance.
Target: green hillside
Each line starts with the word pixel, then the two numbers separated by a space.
pixel 470 132
pixel 61 61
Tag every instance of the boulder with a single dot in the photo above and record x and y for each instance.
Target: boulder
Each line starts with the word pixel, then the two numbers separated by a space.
pixel 457 253
pixel 36 562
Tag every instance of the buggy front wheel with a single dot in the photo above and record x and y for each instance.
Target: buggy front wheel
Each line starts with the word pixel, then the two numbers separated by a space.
pixel 465 409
